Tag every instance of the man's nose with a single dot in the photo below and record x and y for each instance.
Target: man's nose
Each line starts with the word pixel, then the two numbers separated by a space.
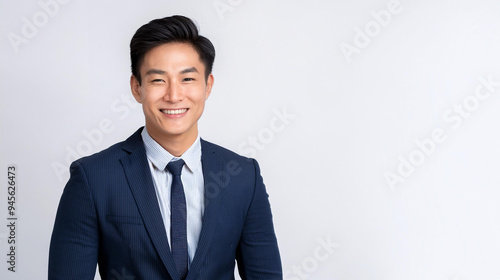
pixel 174 92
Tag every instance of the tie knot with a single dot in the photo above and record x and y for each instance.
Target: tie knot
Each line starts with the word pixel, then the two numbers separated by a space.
pixel 175 167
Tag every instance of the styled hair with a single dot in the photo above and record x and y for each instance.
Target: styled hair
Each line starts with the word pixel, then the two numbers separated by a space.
pixel 174 29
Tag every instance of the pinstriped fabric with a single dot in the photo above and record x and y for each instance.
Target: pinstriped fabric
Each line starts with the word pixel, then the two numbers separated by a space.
pixel 140 183
pixel 109 214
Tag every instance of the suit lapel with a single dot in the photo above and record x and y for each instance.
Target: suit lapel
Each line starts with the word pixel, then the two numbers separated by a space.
pixel 136 168
pixel 211 164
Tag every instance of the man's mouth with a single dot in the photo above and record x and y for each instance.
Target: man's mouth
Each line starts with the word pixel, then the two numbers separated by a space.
pixel 173 112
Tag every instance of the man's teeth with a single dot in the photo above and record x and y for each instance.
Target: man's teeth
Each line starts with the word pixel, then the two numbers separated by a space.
pixel 174 112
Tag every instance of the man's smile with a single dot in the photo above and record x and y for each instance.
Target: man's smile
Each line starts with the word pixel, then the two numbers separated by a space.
pixel 174 111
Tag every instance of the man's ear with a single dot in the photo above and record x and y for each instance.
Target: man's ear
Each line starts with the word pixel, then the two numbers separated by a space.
pixel 136 88
pixel 208 88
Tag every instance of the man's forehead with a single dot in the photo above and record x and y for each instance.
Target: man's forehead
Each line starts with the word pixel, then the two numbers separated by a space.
pixel 173 47
pixel 151 60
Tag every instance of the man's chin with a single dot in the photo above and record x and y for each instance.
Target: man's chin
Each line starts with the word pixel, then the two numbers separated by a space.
pixel 176 133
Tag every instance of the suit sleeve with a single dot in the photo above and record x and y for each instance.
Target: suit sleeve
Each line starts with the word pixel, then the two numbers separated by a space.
pixel 75 238
pixel 257 254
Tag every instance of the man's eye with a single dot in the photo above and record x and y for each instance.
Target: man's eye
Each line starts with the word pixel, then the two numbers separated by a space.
pixel 188 79
pixel 157 80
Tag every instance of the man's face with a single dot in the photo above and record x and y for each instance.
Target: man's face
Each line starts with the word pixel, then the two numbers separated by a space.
pixel 173 91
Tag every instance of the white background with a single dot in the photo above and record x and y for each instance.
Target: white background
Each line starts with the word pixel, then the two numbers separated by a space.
pixel 353 118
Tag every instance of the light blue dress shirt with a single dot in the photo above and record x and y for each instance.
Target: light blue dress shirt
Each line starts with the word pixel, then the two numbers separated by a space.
pixel 192 181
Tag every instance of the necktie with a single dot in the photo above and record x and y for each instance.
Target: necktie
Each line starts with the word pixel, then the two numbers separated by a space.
pixel 178 218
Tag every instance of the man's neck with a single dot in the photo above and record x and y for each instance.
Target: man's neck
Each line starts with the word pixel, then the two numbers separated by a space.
pixel 176 145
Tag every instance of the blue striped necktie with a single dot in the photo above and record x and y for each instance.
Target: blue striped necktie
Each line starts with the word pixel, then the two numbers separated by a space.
pixel 178 216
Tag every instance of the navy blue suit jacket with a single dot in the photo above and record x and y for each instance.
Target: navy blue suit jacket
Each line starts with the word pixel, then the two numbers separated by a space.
pixel 109 215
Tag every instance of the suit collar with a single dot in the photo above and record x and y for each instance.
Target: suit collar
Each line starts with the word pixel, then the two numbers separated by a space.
pixel 135 165
pixel 134 142
pixel 137 171
pixel 211 164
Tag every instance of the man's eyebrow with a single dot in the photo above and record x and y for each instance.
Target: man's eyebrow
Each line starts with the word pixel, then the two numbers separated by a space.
pixel 189 70
pixel 155 71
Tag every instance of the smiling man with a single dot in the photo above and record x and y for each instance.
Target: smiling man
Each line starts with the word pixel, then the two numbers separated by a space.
pixel 165 204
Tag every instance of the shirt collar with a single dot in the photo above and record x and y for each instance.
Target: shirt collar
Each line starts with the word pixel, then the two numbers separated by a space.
pixel 161 157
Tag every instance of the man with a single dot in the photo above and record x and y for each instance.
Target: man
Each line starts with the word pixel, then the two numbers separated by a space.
pixel 165 204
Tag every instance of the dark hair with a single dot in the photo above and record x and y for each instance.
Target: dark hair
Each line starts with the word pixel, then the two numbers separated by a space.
pixel 172 29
